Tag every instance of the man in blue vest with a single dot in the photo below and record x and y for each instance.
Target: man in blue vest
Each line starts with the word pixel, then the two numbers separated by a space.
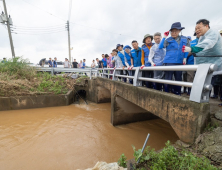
pixel 136 55
pixel 104 61
pixel 121 54
pixel 4 60
pixel 50 62
pixel 145 58
pixel 54 64
pixel 127 60
pixel 174 55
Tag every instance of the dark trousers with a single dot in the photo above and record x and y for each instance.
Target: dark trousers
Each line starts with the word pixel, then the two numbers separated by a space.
pixel 105 71
pixel 169 75
pixel 217 85
pixel 148 74
pixel 122 73
pixel 130 73
pixel 158 86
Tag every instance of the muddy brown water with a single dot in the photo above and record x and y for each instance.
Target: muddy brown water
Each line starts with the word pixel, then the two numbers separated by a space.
pixel 72 137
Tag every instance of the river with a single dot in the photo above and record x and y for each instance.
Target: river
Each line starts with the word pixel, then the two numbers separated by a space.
pixel 72 137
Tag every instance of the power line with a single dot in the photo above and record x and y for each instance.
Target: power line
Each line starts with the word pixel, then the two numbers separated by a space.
pixel 76 23
pixel 21 32
pixel 44 10
pixel 38 33
pixel 37 29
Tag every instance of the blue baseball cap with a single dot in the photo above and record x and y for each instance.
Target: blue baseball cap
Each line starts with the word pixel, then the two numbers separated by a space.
pixel 189 37
pixel 127 46
pixel 118 45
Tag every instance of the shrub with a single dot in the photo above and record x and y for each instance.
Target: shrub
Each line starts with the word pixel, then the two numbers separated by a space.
pixel 122 161
pixel 170 158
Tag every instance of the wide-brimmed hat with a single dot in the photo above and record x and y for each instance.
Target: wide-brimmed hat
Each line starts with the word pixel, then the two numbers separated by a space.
pixel 118 45
pixel 177 25
pixel 127 46
pixel 146 36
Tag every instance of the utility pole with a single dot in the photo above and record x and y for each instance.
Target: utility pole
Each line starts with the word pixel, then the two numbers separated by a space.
pixel 69 41
pixel 9 30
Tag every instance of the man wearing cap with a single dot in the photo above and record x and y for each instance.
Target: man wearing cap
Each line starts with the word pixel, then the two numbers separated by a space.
pixel 122 55
pixel 147 40
pixel 156 57
pixel 174 55
pixel 127 60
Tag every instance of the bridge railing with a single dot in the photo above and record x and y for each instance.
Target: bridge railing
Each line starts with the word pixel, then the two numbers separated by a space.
pixel 54 70
pixel 201 86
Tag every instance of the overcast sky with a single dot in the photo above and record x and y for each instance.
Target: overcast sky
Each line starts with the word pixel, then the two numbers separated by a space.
pixel 97 25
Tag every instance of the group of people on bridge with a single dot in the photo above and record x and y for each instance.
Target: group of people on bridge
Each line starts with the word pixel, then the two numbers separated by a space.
pixel 169 50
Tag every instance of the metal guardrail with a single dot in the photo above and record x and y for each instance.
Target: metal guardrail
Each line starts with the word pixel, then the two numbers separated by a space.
pixel 201 85
pixel 54 70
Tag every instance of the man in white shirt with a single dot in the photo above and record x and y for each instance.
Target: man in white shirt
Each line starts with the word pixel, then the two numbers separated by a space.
pixel 66 63
pixel 156 58
pixel 93 65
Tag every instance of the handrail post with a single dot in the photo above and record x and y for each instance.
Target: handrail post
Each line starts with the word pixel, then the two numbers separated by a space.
pixel 137 74
pixel 114 75
pixel 201 88
pixel 52 71
pixel 103 74
pixel 90 74
pixel 96 72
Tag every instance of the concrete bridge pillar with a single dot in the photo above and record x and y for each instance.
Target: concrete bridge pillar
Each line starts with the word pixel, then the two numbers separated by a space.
pixel 123 112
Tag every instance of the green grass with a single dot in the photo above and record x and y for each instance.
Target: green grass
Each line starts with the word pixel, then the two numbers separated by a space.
pixel 18 68
pixel 18 78
pixel 170 159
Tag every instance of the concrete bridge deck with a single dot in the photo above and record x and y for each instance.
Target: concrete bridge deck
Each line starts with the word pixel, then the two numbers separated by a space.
pixel 130 104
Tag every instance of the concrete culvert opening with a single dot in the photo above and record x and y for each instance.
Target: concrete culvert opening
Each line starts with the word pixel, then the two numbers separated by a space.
pixel 80 97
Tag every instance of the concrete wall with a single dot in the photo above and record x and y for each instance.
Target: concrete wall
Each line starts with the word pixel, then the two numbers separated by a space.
pixel 40 101
pixel 124 112
pixel 96 93
pixel 187 118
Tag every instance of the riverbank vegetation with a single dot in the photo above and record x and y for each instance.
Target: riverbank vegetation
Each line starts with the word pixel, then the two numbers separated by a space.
pixel 17 78
pixel 168 158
